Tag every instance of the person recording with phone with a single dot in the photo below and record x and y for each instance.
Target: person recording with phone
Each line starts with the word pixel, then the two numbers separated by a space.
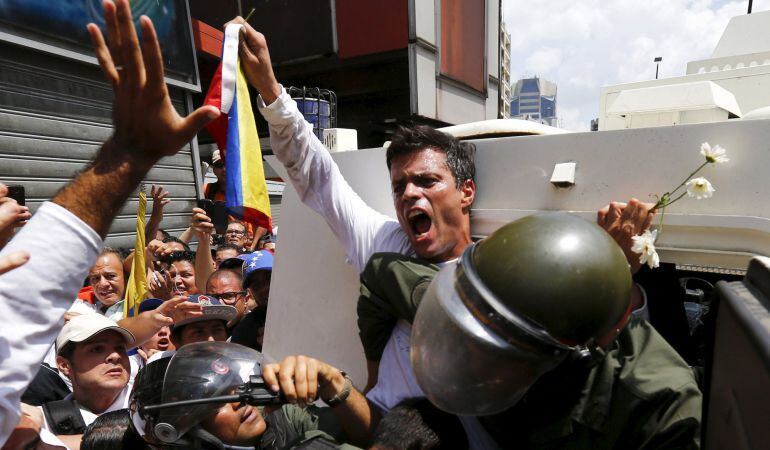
pixel 13 213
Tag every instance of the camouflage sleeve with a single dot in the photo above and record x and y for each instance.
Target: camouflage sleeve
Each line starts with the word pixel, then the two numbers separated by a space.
pixel 392 286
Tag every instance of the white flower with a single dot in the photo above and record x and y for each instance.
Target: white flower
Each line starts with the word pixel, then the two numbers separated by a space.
pixel 700 188
pixel 713 155
pixel 644 245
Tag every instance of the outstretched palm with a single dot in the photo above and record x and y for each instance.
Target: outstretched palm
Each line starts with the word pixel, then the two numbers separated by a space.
pixel 146 123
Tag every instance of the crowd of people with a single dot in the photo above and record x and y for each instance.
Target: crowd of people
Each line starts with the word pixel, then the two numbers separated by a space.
pixel 535 337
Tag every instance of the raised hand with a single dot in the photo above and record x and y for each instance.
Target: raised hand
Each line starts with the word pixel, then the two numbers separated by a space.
pixel 302 379
pixel 176 310
pixel 159 199
pixel 160 285
pixel 201 224
pixel 146 124
pixel 624 221
pixel 255 60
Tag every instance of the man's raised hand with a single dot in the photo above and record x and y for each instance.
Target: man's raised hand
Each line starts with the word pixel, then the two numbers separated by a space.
pixel 255 60
pixel 623 221
pixel 147 126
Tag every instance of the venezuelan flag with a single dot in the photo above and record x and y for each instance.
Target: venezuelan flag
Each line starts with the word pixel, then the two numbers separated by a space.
pixel 235 131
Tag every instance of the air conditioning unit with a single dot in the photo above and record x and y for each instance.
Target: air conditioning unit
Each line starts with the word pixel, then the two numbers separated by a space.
pixel 340 139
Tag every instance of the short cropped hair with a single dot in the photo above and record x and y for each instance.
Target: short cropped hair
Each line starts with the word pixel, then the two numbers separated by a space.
pixel 109 250
pixel 226 246
pixel 415 424
pixel 112 431
pixel 459 155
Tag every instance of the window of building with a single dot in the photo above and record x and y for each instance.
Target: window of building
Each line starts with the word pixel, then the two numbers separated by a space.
pixel 463 41
pixel 530 86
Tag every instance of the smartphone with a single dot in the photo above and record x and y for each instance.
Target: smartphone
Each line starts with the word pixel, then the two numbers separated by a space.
pixel 16 192
pixel 216 212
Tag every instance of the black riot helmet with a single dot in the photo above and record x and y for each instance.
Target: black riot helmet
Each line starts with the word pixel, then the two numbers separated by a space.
pixel 171 396
pixel 537 292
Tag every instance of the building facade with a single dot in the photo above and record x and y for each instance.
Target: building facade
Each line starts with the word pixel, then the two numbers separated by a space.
pixel 505 72
pixel 534 99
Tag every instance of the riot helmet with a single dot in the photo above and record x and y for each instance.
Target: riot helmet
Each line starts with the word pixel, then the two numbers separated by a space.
pixel 539 291
pixel 172 396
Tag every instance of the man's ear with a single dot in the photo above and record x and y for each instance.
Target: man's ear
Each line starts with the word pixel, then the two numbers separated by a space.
pixel 65 366
pixel 468 190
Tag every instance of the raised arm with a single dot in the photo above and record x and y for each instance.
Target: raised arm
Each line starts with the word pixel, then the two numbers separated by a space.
pixel 64 237
pixel 310 167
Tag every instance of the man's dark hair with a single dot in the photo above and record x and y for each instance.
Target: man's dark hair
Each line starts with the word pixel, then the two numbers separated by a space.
pixel 415 424
pixel 173 257
pixel 112 431
pixel 165 234
pixel 175 239
pixel 176 330
pixel 226 246
pixel 459 155
pixel 67 351
pixel 118 253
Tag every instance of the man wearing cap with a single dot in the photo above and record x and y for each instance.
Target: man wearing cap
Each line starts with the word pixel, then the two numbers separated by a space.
pixel 91 350
pixel 257 271
pixel 210 326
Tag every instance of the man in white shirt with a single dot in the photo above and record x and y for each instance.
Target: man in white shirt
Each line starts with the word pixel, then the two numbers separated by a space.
pixel 63 238
pixel 432 179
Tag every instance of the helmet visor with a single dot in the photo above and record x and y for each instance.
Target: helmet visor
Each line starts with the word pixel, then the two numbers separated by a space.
pixel 463 365
pixel 199 371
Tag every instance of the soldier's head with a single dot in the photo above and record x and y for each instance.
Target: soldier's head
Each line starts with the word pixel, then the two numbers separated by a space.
pixel 541 291
pixel 432 180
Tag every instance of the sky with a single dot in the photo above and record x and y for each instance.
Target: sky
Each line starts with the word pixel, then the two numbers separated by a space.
pixel 586 44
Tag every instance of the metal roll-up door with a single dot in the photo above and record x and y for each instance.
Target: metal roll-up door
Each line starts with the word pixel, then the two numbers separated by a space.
pixel 54 115
pixel 275 209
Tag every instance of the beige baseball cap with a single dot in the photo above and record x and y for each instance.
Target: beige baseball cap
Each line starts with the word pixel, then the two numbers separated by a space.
pixel 85 326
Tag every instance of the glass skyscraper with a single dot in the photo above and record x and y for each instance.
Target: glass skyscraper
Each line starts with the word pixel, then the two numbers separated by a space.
pixel 534 99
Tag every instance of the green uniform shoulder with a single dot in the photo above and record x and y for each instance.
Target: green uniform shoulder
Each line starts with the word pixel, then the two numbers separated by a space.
pixel 392 286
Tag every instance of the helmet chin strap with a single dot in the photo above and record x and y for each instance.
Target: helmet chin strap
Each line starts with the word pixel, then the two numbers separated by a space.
pixel 206 437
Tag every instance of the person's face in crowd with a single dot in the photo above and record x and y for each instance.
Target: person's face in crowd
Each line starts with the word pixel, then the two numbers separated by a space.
pixel 203 331
pixel 430 208
pixel 106 277
pixel 219 171
pixel 98 364
pixel 160 341
pixel 225 253
pixel 183 276
pixel 236 234
pixel 236 424
pixel 259 287
pixel 227 287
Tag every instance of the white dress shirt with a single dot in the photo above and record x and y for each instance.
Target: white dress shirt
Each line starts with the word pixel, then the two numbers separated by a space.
pixel 34 297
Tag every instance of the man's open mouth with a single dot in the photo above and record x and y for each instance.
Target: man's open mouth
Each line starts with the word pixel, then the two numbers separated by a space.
pixel 419 222
pixel 163 344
